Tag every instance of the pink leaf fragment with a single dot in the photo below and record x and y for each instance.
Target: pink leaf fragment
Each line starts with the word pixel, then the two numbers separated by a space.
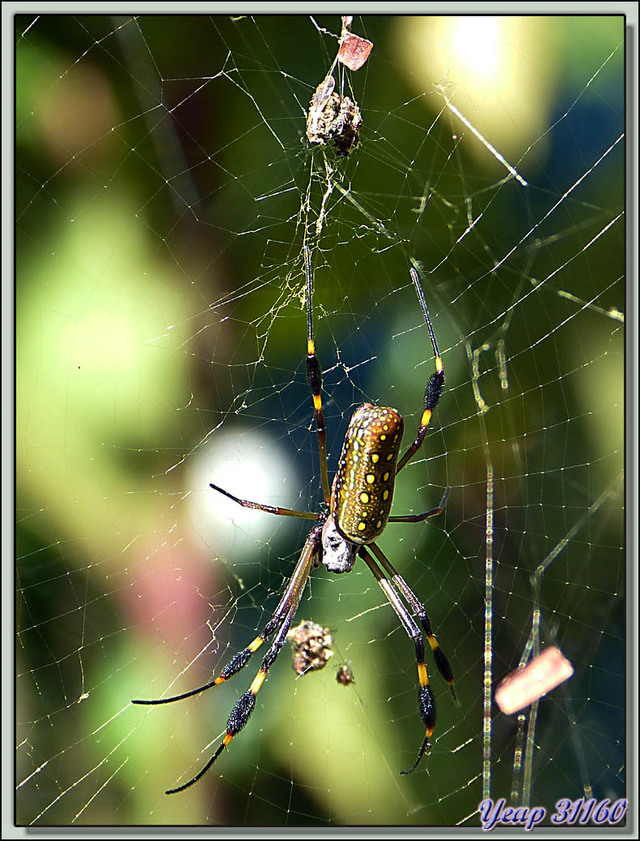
pixel 524 686
pixel 354 50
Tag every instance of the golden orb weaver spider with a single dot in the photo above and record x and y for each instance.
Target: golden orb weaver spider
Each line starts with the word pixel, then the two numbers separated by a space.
pixel 359 506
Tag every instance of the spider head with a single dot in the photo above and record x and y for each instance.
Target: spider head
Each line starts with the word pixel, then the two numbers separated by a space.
pixel 338 554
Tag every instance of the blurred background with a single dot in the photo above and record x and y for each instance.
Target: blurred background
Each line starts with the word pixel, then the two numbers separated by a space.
pixel 164 190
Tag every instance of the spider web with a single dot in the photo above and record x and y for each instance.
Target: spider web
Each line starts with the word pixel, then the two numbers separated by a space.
pixel 165 190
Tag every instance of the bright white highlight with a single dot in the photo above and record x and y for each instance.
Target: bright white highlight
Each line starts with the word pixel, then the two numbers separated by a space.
pixel 250 465
pixel 475 42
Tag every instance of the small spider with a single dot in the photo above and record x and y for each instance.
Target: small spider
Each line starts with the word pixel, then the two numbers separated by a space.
pixel 311 646
pixel 344 675
pixel 333 118
pixel 357 508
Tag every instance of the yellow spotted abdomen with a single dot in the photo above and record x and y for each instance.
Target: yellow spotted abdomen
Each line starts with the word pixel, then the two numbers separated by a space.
pixel 363 485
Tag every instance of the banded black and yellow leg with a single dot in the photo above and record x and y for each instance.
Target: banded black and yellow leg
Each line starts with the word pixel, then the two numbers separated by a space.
pixel 246 703
pixel 419 610
pixel 314 378
pixel 436 381
pixel 234 665
pixel 426 701
pixel 290 598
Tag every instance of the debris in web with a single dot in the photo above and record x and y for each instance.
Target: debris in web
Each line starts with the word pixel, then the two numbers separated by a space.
pixel 333 117
pixel 312 646
pixel 524 686
pixel 354 50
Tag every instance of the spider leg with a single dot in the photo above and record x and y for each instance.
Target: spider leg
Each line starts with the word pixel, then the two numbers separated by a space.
pixel 435 384
pixel 270 509
pixel 314 378
pixel 418 518
pixel 291 596
pixel 420 612
pixel 426 701
pixel 245 704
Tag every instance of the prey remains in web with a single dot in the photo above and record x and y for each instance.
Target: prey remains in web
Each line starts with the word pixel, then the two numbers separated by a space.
pixel 356 510
pixel 334 118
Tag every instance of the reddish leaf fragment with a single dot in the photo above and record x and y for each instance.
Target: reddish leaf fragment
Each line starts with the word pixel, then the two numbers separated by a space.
pixel 354 50
pixel 542 674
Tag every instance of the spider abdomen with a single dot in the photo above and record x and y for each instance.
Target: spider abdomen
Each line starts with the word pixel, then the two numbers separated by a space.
pixel 362 489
